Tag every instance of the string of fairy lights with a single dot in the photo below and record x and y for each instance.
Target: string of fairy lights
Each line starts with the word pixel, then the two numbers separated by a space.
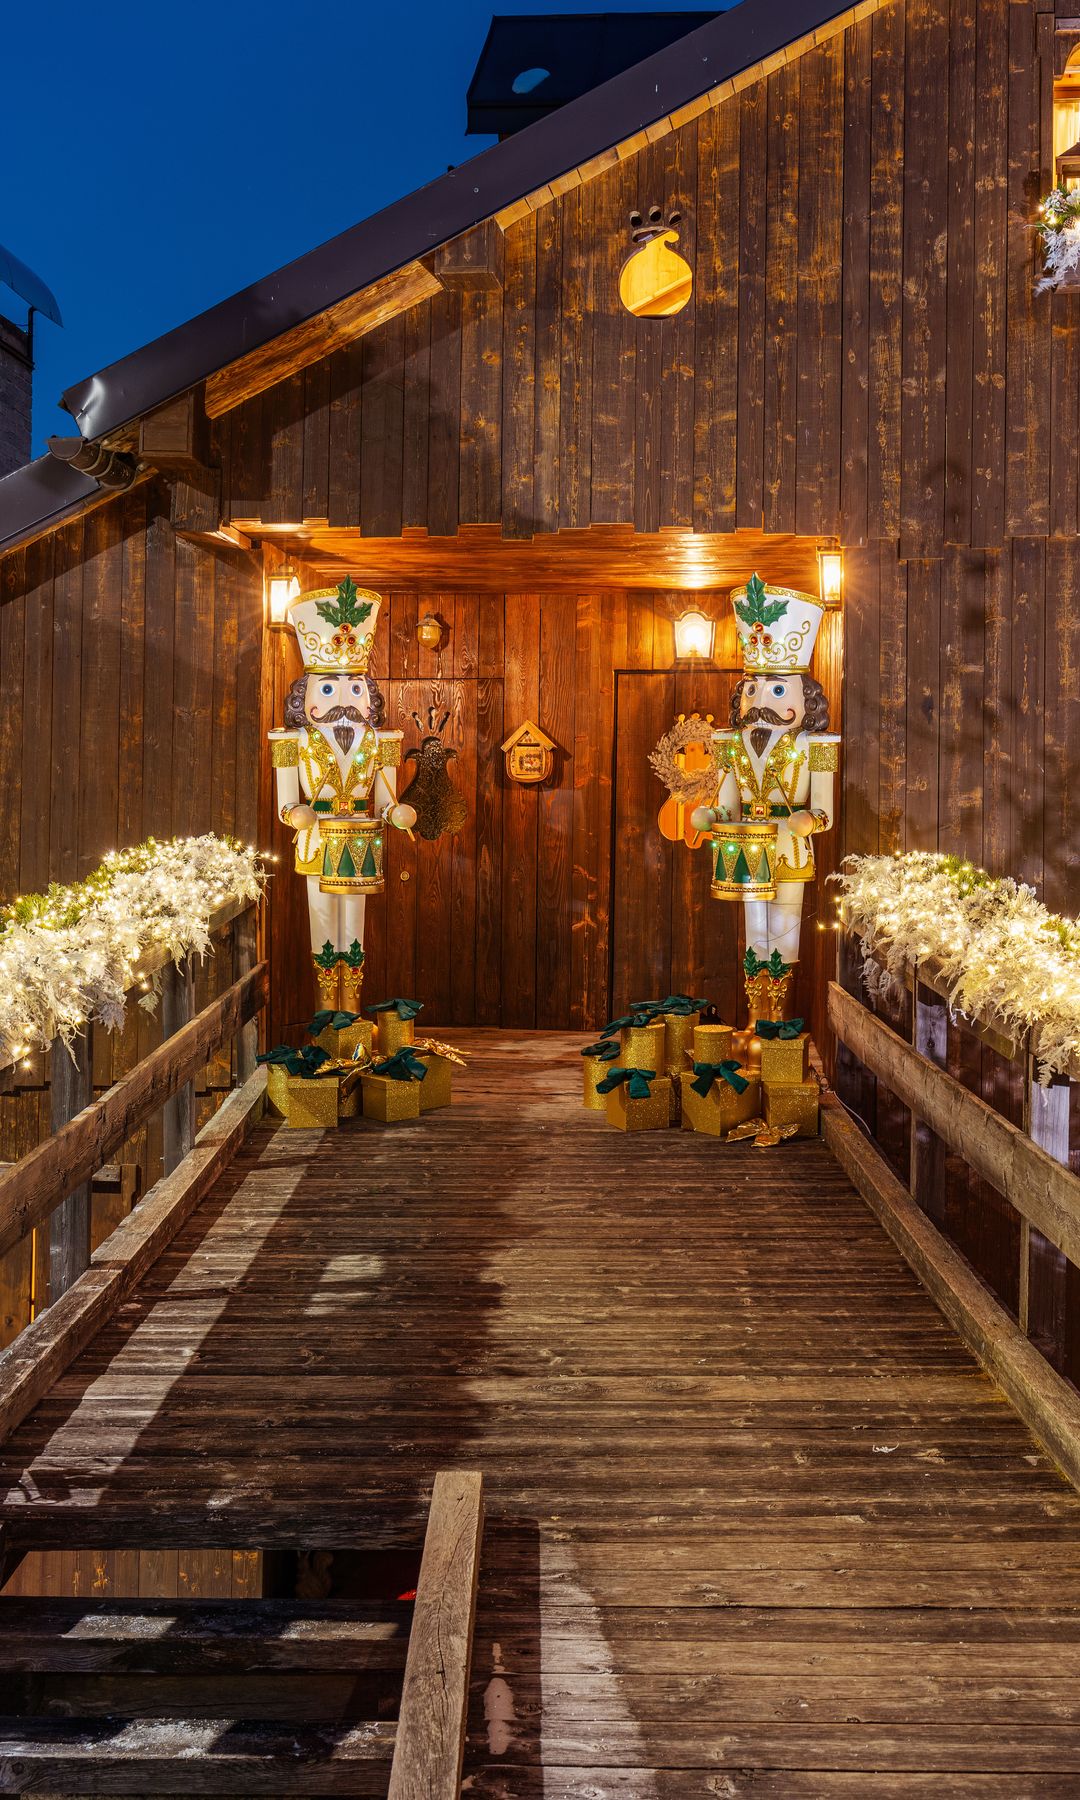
pixel 71 955
pixel 1008 961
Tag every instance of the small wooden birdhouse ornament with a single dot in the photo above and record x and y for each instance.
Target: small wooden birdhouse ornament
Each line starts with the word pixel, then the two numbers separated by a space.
pixel 529 753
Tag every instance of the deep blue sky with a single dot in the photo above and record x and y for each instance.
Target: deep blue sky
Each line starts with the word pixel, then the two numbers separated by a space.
pixel 157 158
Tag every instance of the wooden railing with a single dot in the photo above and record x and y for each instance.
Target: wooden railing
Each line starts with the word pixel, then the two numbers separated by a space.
pixel 1026 1164
pixel 430 1739
pixel 53 1182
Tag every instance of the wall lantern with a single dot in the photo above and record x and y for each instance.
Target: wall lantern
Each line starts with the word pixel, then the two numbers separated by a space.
pixel 429 632
pixel 282 587
pixel 694 634
pixel 831 578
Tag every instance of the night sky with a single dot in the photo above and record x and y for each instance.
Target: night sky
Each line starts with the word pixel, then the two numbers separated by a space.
pixel 156 159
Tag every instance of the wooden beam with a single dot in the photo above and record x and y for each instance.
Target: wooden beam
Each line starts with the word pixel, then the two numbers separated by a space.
pixel 434 1698
pixel 41 1353
pixel 32 1187
pixel 175 437
pixel 317 336
pixel 1048 1405
pixel 70 1090
pixel 1042 1191
pixel 192 1756
pixel 473 260
pixel 178 1115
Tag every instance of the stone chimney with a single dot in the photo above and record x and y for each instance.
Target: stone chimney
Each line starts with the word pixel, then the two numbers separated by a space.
pixel 16 370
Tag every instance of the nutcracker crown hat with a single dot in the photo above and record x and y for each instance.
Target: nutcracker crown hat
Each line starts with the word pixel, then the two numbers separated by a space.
pixel 335 627
pixel 777 628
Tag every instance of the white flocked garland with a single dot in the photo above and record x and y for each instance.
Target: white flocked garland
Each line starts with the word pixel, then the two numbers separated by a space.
pixel 70 955
pixel 1007 961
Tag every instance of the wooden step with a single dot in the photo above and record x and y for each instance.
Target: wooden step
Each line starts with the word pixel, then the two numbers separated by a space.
pixel 192 1756
pixel 177 1637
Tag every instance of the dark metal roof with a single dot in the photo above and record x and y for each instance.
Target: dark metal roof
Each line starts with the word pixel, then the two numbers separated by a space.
pixel 535 62
pixel 442 210
pixel 417 224
pixel 40 494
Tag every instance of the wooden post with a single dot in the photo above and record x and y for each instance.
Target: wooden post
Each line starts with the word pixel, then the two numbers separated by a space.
pixel 435 1695
pixel 929 1026
pixel 1046 1121
pixel 178 1114
pixel 69 1223
pixel 245 956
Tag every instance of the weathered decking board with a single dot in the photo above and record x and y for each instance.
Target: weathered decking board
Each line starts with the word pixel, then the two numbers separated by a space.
pixel 755 1518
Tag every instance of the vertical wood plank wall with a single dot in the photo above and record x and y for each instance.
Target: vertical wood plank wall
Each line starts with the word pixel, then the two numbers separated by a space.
pixel 510 921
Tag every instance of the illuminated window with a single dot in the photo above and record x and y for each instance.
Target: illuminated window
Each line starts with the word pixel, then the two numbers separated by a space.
pixel 655 281
pixel 1067 124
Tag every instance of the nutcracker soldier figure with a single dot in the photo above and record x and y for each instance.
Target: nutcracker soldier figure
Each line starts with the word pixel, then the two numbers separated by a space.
pixel 775 765
pixel 335 768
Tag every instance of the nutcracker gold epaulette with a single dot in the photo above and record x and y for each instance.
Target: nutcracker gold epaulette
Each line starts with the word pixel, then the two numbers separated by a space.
pixel 824 755
pixel 389 753
pixel 725 747
pixel 284 753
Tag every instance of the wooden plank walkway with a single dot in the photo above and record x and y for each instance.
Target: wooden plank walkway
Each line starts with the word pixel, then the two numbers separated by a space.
pixel 757 1525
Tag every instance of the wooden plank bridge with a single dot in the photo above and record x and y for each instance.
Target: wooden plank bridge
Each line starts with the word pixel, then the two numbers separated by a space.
pixel 757 1524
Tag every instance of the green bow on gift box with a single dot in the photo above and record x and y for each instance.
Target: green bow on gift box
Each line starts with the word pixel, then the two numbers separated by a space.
pixel 639 1080
pixel 631 1020
pixel 404 1065
pixel 770 1029
pixel 605 1047
pixel 680 1005
pixel 307 1062
pixel 330 1020
pixel 707 1073
pixel 405 1009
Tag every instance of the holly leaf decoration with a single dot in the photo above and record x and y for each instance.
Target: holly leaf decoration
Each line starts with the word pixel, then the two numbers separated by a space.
pixel 346 609
pixel 757 608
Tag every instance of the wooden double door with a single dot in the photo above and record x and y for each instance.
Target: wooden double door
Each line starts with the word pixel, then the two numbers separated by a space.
pixel 668 935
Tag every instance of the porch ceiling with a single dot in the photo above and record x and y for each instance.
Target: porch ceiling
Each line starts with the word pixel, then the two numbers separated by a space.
pixel 603 556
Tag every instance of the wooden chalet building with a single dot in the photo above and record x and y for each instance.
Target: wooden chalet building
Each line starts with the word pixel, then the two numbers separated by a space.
pixel 452 404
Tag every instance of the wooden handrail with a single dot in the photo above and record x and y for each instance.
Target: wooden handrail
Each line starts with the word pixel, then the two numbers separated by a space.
pixel 1041 1189
pixel 431 1725
pixel 31 1188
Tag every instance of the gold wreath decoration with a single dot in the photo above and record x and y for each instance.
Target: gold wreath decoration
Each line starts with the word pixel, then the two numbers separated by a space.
pixel 684 784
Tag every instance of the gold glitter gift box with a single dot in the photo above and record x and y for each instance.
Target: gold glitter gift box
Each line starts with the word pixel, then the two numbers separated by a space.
pixel 679 1031
pixel 314 1103
pixel 343 1045
pixel 711 1043
pixel 593 1069
pixel 653 1114
pixel 721 1109
pixel 785 1061
pixel 435 1087
pixel 394 1033
pixel 391 1101
pixel 643 1046
pixel 793 1103
pixel 277 1092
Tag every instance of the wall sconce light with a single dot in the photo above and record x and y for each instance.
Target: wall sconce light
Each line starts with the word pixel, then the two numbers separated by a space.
pixel 831 578
pixel 429 632
pixel 694 634
pixel 282 587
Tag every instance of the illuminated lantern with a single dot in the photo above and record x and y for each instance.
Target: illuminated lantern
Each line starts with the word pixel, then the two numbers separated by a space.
pixel 282 588
pixel 694 634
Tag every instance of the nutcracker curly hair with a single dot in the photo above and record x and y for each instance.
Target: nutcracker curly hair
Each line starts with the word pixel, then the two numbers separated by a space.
pixel 295 716
pixel 816 703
